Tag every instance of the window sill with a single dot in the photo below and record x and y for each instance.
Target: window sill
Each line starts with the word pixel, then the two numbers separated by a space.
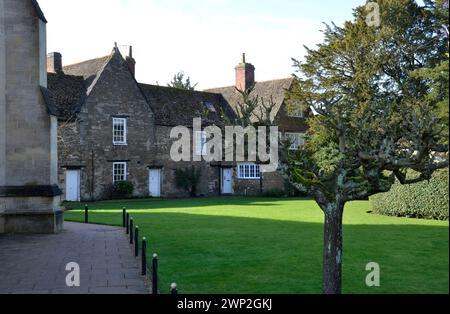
pixel 117 144
pixel 248 179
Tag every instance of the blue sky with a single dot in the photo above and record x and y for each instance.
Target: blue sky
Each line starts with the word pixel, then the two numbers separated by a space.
pixel 204 38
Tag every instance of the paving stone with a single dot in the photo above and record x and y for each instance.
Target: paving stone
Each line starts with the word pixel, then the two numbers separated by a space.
pixel 36 264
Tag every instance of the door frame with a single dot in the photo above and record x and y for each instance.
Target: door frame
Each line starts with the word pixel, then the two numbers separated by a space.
pixel 158 170
pixel 78 171
pixel 222 185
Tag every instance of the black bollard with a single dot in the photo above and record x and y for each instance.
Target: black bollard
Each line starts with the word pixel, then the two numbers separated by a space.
pixel 136 241
pixel 86 214
pixel 173 288
pixel 124 216
pixel 128 223
pixel 144 256
pixel 131 230
pixel 155 274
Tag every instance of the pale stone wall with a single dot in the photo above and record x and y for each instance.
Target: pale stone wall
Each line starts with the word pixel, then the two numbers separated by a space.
pixel 27 153
pixel 2 97
pixel 28 122
pixel 2 111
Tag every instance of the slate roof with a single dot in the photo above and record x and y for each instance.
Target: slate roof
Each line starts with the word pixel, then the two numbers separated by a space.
pixel 38 10
pixel 48 99
pixel 275 90
pixel 173 107
pixel 90 70
pixel 67 93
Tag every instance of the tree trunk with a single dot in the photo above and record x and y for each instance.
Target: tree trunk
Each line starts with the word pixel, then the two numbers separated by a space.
pixel 332 257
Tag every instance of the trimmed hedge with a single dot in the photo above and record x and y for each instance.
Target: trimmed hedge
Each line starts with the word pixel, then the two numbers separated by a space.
pixel 426 200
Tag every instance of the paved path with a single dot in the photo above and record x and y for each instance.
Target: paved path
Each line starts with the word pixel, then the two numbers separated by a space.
pixel 37 263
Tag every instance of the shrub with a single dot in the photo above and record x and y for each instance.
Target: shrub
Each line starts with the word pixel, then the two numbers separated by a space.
pixel 122 189
pixel 275 192
pixel 188 179
pixel 291 191
pixel 427 200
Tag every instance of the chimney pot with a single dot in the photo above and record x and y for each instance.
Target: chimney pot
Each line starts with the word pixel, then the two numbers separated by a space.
pixel 54 62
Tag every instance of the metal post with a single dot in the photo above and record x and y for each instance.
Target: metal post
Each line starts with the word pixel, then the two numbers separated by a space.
pixel 173 288
pixel 144 256
pixel 86 214
pixel 155 274
pixel 128 223
pixel 131 230
pixel 124 216
pixel 136 241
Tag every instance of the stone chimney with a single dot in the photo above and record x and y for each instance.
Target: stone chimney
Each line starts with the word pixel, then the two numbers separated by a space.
pixel 245 75
pixel 131 62
pixel 54 62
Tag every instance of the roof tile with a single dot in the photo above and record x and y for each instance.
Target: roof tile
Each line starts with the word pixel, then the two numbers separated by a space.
pixel 274 90
pixel 174 106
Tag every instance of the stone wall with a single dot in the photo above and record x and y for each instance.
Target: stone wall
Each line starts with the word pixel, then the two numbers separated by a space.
pixel 116 94
pixel 27 126
pixel 210 175
pixel 28 200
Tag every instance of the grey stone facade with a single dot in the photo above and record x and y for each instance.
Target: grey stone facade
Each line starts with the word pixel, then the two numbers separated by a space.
pixel 29 196
pixel 90 94
pixel 87 144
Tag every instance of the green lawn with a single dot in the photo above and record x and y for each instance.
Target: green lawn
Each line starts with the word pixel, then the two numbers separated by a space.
pixel 261 245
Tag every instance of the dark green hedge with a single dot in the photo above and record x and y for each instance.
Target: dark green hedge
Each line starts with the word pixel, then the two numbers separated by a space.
pixel 428 200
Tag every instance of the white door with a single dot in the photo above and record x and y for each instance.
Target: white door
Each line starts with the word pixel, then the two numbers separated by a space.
pixel 155 182
pixel 227 181
pixel 73 185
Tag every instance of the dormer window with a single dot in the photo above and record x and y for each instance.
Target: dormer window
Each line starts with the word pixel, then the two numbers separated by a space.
pixel 210 106
pixel 296 111
pixel 119 131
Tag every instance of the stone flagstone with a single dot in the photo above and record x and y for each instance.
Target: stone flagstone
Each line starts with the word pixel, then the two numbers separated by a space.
pixel 36 264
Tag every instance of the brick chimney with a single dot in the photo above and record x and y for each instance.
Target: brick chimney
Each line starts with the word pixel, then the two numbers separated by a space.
pixel 54 62
pixel 245 75
pixel 131 62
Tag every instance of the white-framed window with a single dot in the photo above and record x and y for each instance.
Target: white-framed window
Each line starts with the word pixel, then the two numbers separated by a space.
pixel 210 106
pixel 296 114
pixel 119 131
pixel 200 143
pixel 296 111
pixel 297 140
pixel 119 172
pixel 249 171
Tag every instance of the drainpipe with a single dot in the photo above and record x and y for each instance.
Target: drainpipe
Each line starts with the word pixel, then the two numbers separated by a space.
pixel 261 183
pixel 92 175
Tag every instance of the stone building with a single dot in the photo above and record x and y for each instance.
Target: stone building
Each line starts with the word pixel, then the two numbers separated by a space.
pixel 246 177
pixel 113 128
pixel 29 195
